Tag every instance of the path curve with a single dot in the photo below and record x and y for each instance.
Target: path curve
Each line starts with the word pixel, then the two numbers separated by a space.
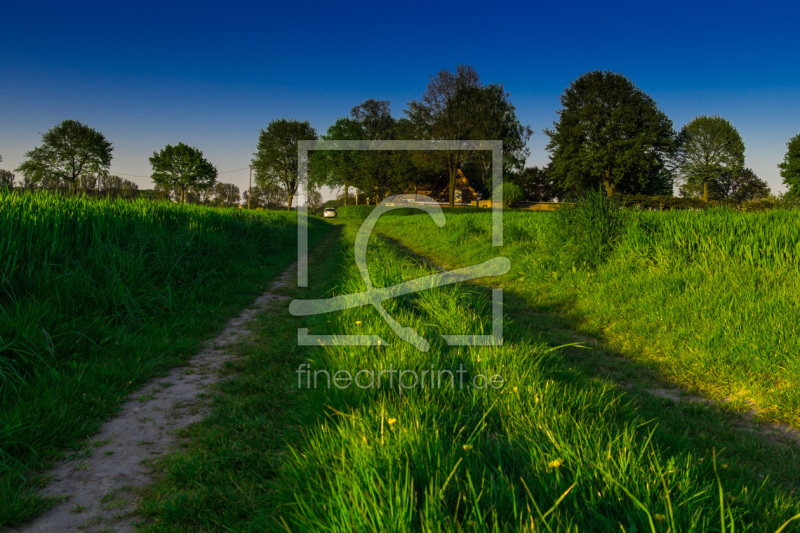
pixel 97 491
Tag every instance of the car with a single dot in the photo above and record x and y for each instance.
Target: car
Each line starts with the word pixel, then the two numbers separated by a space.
pixel 329 212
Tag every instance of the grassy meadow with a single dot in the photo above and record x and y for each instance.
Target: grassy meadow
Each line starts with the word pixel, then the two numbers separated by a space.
pixel 561 445
pixel 707 299
pixel 98 296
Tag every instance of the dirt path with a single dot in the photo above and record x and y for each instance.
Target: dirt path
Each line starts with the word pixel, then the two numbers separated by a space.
pixel 97 490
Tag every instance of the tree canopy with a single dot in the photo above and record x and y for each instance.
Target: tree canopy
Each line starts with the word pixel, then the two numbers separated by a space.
pixel 710 151
pixel 609 132
pixel 275 161
pixel 790 167
pixel 182 168
pixel 70 152
pixel 456 106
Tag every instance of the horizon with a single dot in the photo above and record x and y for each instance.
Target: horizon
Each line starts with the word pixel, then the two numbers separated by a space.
pixel 204 78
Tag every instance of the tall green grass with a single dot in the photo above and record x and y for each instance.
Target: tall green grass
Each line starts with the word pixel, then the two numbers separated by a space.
pixel 97 296
pixel 709 298
pixel 555 449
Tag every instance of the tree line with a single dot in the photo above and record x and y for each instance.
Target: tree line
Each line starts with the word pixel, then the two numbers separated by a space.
pixel 609 134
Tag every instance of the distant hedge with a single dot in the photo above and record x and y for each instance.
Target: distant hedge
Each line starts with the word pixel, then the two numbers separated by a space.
pixel 360 212
pixel 662 203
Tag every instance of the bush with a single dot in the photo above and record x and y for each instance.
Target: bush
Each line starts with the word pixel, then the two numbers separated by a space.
pixel 585 234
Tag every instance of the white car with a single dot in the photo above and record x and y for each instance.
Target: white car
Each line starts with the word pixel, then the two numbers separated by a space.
pixel 329 212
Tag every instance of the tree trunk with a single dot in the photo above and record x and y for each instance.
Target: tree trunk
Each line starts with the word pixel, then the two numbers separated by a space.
pixel 452 186
pixel 705 191
pixel 345 193
pixel 609 188
pixel 291 199
pixel 183 195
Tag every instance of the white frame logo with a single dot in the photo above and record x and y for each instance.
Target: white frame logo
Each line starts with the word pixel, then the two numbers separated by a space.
pixel 375 296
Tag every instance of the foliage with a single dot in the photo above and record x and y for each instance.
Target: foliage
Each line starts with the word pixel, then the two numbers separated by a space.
pixel 790 166
pixel 609 133
pixel 275 162
pixel 97 297
pixel 710 151
pixel 182 168
pixel 511 193
pixel 585 233
pixel 226 195
pixel 70 152
pixel 570 443
pixel 6 179
pixel 456 106
pixel 535 183
pixel 271 198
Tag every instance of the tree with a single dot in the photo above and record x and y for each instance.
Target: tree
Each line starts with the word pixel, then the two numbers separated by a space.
pixel 456 106
pixel 6 179
pixel 710 151
pixel 746 187
pixel 275 161
pixel 496 119
pixel 535 184
pixel 315 201
pixel 609 133
pixel 742 187
pixel 70 152
pixel 337 168
pixel 182 168
pixel 112 186
pixel 790 167
pixel 226 195
pixel 265 198
pixel 129 189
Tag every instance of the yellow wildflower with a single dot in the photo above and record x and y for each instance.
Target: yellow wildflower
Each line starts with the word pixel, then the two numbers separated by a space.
pixel 555 463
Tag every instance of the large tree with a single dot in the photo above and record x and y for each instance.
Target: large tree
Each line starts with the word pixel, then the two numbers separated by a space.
pixel 337 168
pixel 742 187
pixel 609 133
pixel 70 152
pixel 182 168
pixel 276 161
pixel 790 167
pixel 710 151
pixel 456 106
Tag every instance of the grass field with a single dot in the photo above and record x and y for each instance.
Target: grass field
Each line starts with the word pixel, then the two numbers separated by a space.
pixel 99 296
pixel 568 436
pixel 709 299
pixel 559 447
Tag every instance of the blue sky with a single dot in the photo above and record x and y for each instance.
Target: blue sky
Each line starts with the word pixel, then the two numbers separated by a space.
pixel 213 74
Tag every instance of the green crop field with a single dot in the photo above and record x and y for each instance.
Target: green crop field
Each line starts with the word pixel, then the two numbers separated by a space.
pixel 99 296
pixel 603 308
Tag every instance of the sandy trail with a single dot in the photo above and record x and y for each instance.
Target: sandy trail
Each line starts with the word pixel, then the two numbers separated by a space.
pixel 97 490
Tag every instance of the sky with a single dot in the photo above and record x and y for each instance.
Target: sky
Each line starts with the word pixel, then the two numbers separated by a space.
pixel 213 74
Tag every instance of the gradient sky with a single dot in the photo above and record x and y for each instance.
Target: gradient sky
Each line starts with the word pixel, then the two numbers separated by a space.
pixel 212 75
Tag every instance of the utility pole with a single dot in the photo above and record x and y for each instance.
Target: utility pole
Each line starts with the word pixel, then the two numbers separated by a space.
pixel 250 187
